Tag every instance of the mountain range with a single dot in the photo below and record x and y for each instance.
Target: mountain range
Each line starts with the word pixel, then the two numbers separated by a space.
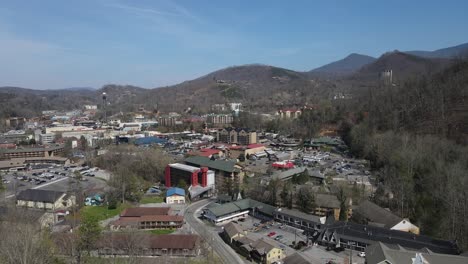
pixel 259 87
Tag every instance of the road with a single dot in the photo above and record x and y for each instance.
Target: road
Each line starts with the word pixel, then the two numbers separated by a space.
pixel 223 250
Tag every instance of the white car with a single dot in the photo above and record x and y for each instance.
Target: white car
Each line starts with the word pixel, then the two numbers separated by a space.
pixel 362 254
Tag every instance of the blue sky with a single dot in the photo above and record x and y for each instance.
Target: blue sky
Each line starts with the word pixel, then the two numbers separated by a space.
pixel 52 44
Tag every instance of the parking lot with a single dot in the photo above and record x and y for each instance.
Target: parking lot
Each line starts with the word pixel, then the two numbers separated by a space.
pixel 49 177
pixel 285 236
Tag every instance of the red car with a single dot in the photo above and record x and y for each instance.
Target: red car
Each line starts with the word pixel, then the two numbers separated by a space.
pixel 271 234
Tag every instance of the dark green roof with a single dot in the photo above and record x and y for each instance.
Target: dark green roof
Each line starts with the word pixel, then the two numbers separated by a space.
pixel 222 165
pixel 241 205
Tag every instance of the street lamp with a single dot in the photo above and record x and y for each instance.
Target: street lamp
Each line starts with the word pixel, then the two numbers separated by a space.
pixel 351 244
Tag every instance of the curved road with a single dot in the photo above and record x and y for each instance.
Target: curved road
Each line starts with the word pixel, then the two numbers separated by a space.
pixel 224 251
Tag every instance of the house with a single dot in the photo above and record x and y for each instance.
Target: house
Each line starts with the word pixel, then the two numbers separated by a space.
pixel 147 218
pixel 44 199
pixel 175 195
pixel 27 215
pixel 232 231
pixel 369 213
pixel 143 244
pixel 341 235
pixel 381 253
pixel 263 250
pixel 326 204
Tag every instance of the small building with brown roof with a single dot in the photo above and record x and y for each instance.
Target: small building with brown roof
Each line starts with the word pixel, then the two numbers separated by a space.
pixel 143 244
pixel 148 218
pixel 232 231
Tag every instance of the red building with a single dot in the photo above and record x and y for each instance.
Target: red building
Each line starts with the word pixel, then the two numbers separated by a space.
pixel 191 175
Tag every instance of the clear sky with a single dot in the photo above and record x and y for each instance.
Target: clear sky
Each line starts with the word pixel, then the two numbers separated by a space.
pixel 50 44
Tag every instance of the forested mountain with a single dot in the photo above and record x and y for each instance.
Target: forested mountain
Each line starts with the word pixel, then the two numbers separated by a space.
pixel 256 86
pixel 16 101
pixel 344 67
pixel 416 137
pixel 448 53
pixel 402 65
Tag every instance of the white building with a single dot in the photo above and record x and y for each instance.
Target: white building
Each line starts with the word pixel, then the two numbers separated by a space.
pixel 175 195
pixel 90 107
pixel 44 199
pixel 47 138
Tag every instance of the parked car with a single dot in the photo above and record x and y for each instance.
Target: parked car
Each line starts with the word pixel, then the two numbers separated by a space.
pixel 271 234
pixel 362 254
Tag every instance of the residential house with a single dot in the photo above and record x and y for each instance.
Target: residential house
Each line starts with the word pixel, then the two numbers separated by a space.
pixel 263 250
pixel 27 215
pixel 326 204
pixel 232 231
pixel 175 195
pixel 298 258
pixel 369 213
pixel 44 199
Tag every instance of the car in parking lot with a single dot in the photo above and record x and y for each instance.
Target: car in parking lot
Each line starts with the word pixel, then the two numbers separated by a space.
pixel 271 234
pixel 362 254
pixel 278 237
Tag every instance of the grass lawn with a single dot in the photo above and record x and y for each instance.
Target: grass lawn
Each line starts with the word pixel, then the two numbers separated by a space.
pixel 161 231
pixel 151 199
pixel 101 212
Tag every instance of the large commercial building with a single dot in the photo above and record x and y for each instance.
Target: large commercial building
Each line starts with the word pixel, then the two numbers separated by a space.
pixel 40 152
pixel 219 119
pixel 47 138
pixel 241 136
pixel 201 180
pixel 223 169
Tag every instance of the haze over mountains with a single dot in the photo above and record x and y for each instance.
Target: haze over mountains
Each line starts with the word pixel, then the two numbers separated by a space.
pixel 257 86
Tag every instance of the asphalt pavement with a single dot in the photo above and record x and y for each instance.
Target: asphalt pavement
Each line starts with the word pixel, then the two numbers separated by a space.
pixel 223 250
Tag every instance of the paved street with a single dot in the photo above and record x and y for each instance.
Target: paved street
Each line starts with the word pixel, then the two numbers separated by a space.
pixel 224 251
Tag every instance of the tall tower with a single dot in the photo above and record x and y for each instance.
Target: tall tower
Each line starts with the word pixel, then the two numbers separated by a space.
pixel 104 106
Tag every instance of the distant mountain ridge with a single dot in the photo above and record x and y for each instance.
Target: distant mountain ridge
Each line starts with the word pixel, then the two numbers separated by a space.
pixel 446 53
pixel 346 66
pixel 80 89
pixel 402 65
pixel 257 86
